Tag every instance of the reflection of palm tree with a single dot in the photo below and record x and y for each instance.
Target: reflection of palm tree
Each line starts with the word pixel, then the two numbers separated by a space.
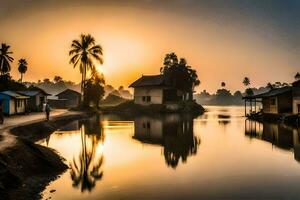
pixel 87 170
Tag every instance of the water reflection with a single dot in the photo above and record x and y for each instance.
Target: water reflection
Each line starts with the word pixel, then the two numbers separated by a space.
pixel 85 168
pixel 280 135
pixel 173 132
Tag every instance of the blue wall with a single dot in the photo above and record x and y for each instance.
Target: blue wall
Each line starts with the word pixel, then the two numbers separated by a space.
pixel 5 102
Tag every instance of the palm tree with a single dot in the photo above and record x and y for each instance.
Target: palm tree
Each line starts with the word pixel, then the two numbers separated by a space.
pixel 223 84
pixel 246 81
pixel 22 67
pixel 83 53
pixel 5 59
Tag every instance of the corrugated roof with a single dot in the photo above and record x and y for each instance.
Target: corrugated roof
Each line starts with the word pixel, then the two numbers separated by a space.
pixel 32 93
pixel 271 93
pixel 14 95
pixel 28 93
pixel 153 80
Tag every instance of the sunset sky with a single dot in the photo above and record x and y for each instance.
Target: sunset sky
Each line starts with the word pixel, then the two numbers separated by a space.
pixel 224 40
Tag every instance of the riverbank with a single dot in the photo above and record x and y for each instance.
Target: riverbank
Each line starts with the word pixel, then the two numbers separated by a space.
pixel 27 168
pixel 288 119
pixel 132 109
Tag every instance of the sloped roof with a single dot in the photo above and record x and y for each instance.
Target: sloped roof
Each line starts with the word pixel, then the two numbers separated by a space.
pixel 68 91
pixel 14 95
pixel 152 80
pixel 271 93
pixel 32 93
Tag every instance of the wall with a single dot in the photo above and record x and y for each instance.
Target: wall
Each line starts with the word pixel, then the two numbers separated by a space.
pixel 156 95
pixel 285 103
pixel 296 103
pixel 73 99
pixel 267 107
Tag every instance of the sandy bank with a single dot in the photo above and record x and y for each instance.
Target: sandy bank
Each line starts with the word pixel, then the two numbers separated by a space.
pixel 25 167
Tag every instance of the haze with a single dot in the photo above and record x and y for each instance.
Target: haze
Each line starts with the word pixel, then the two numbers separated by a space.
pixel 223 40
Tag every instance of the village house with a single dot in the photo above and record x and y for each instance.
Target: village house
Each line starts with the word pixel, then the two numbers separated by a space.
pixel 13 103
pixel 36 100
pixel 68 99
pixel 154 90
pixel 285 100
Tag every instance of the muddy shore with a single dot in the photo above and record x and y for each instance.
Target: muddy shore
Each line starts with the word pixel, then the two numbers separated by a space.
pixel 27 168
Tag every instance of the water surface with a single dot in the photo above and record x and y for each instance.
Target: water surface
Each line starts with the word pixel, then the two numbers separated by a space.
pixel 219 155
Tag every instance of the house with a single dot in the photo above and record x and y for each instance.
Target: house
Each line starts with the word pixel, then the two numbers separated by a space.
pixel 36 99
pixel 70 98
pixel 285 100
pixel 13 103
pixel 154 90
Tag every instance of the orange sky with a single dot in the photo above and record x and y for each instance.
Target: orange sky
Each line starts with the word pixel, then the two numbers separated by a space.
pixel 135 40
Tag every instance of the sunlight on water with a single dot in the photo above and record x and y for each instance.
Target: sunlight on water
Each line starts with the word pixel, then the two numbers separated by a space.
pixel 217 155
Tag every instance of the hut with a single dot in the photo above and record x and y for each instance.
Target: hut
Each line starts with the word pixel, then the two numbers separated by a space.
pixel 13 103
pixel 36 99
pixel 69 98
pixel 277 101
pixel 153 89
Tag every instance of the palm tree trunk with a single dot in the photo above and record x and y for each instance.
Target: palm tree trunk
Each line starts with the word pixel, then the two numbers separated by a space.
pixel 21 77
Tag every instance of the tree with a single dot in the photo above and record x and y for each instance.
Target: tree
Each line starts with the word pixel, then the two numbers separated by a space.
pixel 5 59
pixel 57 79
pixel 249 92
pixel 246 81
pixel 179 74
pixel 297 76
pixel 94 89
pixel 22 67
pixel 223 84
pixel 47 80
pixel 83 52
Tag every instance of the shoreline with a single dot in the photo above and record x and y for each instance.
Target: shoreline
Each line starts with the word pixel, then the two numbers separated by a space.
pixel 27 168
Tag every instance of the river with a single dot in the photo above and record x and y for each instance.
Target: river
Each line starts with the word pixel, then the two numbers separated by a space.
pixel 219 155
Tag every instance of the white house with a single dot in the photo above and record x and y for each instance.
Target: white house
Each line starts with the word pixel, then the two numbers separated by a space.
pixel 154 90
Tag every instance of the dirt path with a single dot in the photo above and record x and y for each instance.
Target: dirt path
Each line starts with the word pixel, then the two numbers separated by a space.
pixel 23 119
pixel 7 140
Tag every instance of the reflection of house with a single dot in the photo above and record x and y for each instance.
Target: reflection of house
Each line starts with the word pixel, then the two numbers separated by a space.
pixel 66 99
pixel 285 100
pixel 13 103
pixel 172 132
pixel 36 99
pixel 283 137
pixel 154 90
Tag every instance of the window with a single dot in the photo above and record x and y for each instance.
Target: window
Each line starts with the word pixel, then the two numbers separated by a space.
pixel 148 125
pixel 18 103
pixel 273 101
pixel 148 98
